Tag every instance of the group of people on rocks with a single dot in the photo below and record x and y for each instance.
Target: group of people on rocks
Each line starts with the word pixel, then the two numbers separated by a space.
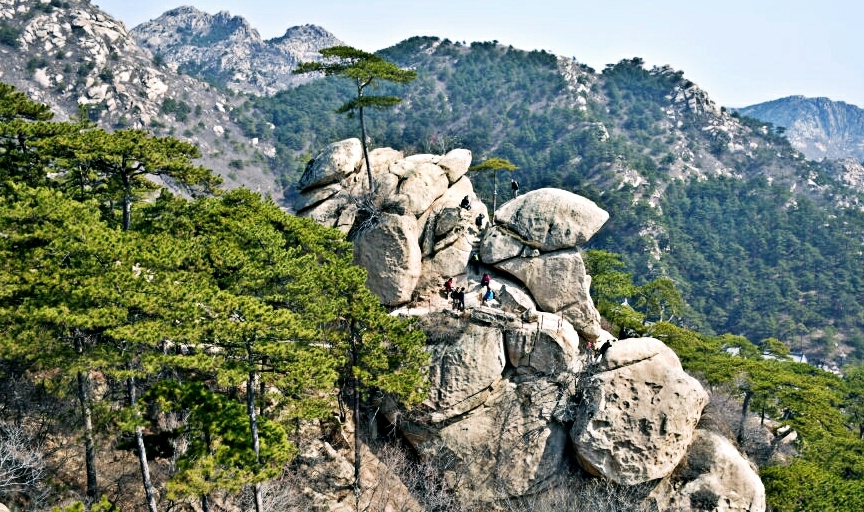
pixel 456 295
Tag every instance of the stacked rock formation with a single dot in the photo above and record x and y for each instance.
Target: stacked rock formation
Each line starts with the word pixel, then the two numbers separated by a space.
pixel 515 392
pixel 420 229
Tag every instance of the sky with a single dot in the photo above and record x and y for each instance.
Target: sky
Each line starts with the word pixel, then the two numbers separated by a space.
pixel 741 52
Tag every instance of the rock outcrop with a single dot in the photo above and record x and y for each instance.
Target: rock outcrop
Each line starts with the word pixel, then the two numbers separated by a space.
pixel 512 378
pixel 713 473
pixel 638 413
pixel 418 234
pixel 227 49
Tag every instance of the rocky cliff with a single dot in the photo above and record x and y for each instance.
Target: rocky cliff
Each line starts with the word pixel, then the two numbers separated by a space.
pixel 519 392
pixel 818 127
pixel 70 55
pixel 226 50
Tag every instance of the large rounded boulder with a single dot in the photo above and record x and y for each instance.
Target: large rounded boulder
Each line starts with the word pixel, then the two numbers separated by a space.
pixel 713 476
pixel 551 219
pixel 638 413
pixel 390 253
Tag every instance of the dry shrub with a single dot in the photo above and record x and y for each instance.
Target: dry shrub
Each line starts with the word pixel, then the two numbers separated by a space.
pixel 441 327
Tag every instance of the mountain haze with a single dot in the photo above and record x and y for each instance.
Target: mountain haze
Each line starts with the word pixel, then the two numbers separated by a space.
pixel 818 127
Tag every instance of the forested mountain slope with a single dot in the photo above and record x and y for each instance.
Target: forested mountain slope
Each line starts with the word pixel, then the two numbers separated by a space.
pixel 761 241
pixel 81 61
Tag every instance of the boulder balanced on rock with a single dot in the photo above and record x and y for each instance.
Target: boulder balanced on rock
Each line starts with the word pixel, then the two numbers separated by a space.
pixel 508 382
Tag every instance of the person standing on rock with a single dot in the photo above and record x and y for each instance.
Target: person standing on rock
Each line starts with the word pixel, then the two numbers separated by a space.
pixel 474 260
pixel 454 298
pixel 448 286
pixel 479 221
pixel 488 295
pixel 514 185
pixel 462 299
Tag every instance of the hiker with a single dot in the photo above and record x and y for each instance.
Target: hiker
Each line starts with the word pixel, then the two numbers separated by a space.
pixel 454 298
pixel 479 221
pixel 515 186
pixel 488 296
pixel 448 286
pixel 474 260
pixel 485 280
pixel 462 299
pixel 466 203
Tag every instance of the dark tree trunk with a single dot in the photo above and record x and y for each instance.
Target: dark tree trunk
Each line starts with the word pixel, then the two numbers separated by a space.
pixel 745 408
pixel 89 448
pixel 356 407
pixel 127 203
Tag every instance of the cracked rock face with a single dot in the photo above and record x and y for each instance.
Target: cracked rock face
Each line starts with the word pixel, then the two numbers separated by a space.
pixel 638 413
pixel 433 236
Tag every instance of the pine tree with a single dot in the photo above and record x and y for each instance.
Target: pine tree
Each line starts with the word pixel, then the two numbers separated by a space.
pixel 364 69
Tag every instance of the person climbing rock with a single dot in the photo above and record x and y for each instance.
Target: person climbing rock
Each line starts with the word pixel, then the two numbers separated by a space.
pixel 474 261
pixel 485 280
pixel 466 203
pixel 479 221
pixel 488 295
pixel 448 286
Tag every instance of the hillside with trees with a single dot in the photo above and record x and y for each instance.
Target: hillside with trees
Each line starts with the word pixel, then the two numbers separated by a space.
pixel 217 323
pixel 760 241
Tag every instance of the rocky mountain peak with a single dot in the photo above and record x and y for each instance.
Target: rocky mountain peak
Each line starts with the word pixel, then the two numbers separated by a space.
pixel 818 127
pixel 226 50
pixel 71 55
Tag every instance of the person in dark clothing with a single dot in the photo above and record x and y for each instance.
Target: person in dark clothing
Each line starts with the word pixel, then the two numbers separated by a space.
pixel 479 221
pixel 454 298
pixel 462 299
pixel 515 186
pixel 466 203
pixel 474 260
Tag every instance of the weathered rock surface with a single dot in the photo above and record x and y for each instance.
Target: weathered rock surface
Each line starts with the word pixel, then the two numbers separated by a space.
pixel 466 366
pixel 713 468
pixel 559 283
pixel 552 219
pixel 507 447
pixel 333 163
pixel 638 413
pixel 391 255
pixel 506 374
pixel 424 195
pixel 549 346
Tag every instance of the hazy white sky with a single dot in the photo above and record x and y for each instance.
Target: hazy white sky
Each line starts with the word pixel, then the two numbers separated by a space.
pixel 741 51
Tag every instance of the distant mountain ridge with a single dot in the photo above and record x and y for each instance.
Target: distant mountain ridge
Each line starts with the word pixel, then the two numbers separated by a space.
pixel 72 56
pixel 226 50
pixel 818 127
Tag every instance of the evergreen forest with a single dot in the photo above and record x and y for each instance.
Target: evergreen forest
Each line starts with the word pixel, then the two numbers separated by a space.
pixel 759 241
